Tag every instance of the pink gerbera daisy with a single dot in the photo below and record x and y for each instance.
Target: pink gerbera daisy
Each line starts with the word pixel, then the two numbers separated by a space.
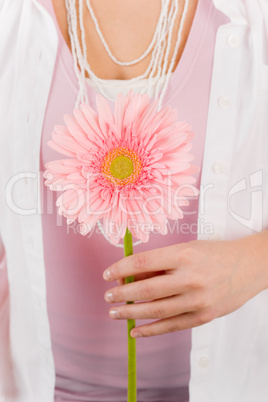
pixel 131 169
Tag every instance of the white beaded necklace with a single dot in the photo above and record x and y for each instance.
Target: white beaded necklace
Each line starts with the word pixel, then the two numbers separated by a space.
pixel 157 70
pixel 147 51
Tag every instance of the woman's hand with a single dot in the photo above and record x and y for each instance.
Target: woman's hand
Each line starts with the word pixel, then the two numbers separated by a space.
pixel 189 284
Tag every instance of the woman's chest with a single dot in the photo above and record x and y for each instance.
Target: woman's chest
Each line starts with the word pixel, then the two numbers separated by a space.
pixel 128 27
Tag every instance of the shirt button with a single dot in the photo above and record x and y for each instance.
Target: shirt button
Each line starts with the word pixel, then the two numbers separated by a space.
pixel 233 40
pixel 203 361
pixel 224 102
pixel 219 168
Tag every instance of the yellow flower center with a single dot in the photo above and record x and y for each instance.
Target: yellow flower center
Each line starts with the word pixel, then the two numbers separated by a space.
pixel 121 166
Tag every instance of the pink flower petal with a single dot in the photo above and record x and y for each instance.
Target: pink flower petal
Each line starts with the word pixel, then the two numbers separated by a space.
pixel 59 148
pixel 159 146
pixel 119 113
pixel 147 117
pixel 78 133
pixel 93 121
pixel 106 117
pixel 92 136
pixel 67 142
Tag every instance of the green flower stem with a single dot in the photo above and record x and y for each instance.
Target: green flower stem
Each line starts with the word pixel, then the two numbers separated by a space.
pixel 132 387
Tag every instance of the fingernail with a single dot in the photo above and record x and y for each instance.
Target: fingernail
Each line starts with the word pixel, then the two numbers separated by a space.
pixel 109 297
pixel 107 274
pixel 135 335
pixel 114 314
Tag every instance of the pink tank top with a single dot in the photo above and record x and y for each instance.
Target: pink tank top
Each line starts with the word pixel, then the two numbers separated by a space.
pixel 89 348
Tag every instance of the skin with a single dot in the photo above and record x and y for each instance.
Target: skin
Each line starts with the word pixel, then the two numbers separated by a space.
pixel 184 285
pixel 189 284
pixel 135 23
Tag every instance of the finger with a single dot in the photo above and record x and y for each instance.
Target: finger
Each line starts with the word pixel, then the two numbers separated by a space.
pixel 149 261
pixel 155 310
pixel 147 275
pixel 140 277
pixel 173 324
pixel 149 289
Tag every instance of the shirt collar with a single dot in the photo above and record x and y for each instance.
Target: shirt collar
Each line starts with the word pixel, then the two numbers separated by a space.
pixel 234 9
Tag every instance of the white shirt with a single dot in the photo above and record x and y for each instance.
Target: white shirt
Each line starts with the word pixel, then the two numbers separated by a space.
pixel 229 358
